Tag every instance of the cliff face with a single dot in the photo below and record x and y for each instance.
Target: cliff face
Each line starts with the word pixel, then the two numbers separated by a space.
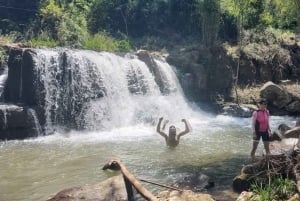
pixel 213 71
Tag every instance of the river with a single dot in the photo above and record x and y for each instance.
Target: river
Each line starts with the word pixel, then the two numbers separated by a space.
pixel 36 169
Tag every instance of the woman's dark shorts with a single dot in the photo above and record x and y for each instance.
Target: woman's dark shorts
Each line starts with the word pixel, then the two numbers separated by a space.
pixel 264 135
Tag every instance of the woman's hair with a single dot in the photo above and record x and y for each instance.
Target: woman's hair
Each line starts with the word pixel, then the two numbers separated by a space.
pixel 261 100
pixel 172 130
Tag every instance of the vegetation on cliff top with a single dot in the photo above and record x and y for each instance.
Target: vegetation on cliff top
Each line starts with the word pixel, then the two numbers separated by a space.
pixel 123 23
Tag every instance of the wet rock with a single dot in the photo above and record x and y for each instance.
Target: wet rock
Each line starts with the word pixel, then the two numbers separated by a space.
pixel 236 110
pixel 16 122
pixel 110 189
pixel 196 182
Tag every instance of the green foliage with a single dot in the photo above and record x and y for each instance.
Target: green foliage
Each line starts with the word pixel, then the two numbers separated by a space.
pixel 263 13
pixel 103 42
pixel 42 41
pixel 109 15
pixel 51 16
pixel 248 12
pixel 3 56
pixel 278 189
pixel 72 31
pixel 210 15
pixel 143 17
pixel 284 14
pixel 64 21
pixel 69 22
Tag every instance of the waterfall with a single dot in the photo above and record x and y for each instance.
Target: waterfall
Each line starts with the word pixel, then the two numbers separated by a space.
pixel 3 110
pixel 3 78
pixel 21 77
pixel 97 91
pixel 36 122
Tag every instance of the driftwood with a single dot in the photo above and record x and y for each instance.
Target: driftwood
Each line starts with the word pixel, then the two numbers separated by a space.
pixel 129 180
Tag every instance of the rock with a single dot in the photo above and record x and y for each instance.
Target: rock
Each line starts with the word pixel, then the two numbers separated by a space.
pixel 17 122
pixel 20 81
pixel 185 195
pixel 276 95
pixel 114 189
pixel 293 107
pixel 110 189
pixel 196 182
pixel 238 110
pixel 245 196
pixel 147 58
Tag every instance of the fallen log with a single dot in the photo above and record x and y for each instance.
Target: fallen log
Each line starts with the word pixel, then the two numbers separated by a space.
pixel 129 180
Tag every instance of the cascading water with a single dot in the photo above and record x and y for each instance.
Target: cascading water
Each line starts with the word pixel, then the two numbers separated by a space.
pixel 21 77
pixel 36 122
pixel 3 78
pixel 4 116
pixel 99 91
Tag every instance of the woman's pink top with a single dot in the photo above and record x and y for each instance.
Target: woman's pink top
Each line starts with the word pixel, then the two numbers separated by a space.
pixel 262 116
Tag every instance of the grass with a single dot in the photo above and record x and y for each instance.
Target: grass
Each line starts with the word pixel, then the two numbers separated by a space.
pixel 41 42
pixel 103 42
pixel 247 94
pixel 293 89
pixel 279 189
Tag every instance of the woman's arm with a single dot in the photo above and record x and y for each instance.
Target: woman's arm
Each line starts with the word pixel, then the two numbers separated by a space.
pixel 188 128
pixel 158 128
pixel 254 115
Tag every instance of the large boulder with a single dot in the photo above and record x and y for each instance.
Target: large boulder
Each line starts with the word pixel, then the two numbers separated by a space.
pixel 110 189
pixel 18 122
pixel 275 94
pixel 280 101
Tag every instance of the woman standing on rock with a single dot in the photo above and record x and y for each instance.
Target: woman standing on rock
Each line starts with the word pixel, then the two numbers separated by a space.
pixel 261 127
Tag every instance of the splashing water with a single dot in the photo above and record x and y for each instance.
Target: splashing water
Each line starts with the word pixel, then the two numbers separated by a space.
pixel 100 91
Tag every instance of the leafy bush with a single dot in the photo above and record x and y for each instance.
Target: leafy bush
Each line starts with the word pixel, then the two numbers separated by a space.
pixel 103 42
pixel 72 31
pixel 3 56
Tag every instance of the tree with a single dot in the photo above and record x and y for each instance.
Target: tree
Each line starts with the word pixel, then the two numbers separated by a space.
pixel 297 2
pixel 210 16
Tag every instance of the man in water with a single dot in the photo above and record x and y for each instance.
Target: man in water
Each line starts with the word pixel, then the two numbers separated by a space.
pixel 172 140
